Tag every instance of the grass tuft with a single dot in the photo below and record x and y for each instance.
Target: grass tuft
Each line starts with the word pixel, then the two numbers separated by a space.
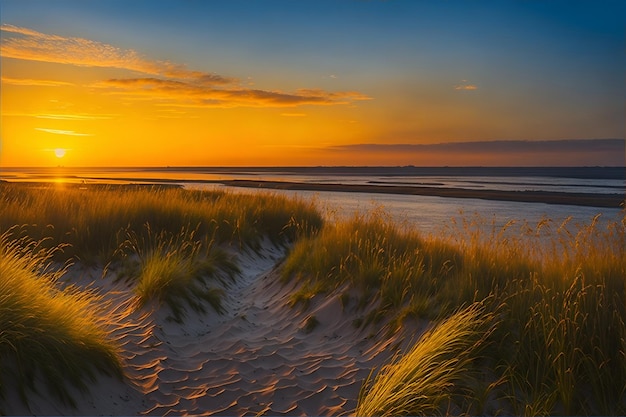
pixel 425 380
pixel 175 269
pixel 61 336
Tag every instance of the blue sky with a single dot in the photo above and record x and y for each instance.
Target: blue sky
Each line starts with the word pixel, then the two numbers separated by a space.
pixel 433 71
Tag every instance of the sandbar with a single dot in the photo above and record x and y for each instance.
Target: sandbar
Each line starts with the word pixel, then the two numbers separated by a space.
pixel 576 199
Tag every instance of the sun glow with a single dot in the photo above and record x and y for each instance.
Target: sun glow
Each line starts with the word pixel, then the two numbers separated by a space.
pixel 59 152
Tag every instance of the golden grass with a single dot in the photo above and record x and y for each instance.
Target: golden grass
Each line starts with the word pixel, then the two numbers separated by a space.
pixel 389 266
pixel 94 221
pixel 176 268
pixel 560 345
pixel 62 334
pixel 425 379
pixel 59 335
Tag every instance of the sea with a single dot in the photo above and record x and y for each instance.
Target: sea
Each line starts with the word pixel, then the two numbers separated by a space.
pixel 430 215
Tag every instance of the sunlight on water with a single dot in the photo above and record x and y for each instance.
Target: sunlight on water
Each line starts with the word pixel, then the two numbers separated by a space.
pixel 436 215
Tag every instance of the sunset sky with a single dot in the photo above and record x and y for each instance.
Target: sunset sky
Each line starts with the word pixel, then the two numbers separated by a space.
pixel 257 83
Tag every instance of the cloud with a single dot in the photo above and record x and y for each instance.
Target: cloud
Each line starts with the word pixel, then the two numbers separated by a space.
pixel 62 132
pixel 31 82
pixel 28 44
pixel 81 116
pixel 211 96
pixel 465 86
pixel 566 152
pixel 165 80
pixel 293 114
pixel 496 146
pixel 73 116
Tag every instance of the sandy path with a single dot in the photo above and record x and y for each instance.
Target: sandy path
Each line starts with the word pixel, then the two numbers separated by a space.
pixel 256 358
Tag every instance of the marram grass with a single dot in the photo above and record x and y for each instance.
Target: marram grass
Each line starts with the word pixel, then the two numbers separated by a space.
pixel 390 267
pixel 559 292
pixel 94 221
pixel 559 346
pixel 426 379
pixel 175 269
pixel 61 336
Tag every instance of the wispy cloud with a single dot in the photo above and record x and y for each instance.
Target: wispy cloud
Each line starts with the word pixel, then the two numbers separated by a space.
pixel 566 152
pixel 62 132
pixel 293 114
pixel 211 96
pixel 165 80
pixel 465 85
pixel 73 116
pixel 28 44
pixel 31 82
pixel 496 146
pixel 77 117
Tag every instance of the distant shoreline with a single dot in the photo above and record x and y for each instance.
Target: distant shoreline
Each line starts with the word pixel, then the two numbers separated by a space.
pixel 576 199
pixel 547 197
pixel 580 172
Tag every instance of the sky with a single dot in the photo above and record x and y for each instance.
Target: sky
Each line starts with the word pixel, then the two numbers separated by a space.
pixel 300 83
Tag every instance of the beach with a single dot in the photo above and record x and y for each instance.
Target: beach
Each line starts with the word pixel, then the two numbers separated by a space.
pixel 256 357
pixel 224 303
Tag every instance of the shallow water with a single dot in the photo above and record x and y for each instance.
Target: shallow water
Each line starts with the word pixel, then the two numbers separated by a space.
pixel 429 214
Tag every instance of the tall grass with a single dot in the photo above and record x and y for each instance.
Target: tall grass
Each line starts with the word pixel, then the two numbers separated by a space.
pixel 59 335
pixel 174 233
pixel 559 292
pixel 429 378
pixel 94 220
pixel 175 269
pixel 391 268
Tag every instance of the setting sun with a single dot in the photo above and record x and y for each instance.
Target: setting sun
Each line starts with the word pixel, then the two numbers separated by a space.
pixel 380 84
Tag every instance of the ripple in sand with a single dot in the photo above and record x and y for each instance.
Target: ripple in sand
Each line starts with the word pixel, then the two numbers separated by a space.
pixel 169 375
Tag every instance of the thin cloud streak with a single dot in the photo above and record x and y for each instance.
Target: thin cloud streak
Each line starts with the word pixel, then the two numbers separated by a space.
pixel 72 116
pixel 496 146
pixel 469 87
pixel 62 132
pixel 31 82
pixel 78 117
pixel 167 80
pixel 567 152
pixel 209 96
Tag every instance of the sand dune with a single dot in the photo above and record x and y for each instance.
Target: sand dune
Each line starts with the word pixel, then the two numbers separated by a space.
pixel 255 358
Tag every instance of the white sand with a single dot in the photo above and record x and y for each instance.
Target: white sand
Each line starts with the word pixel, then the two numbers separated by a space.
pixel 255 358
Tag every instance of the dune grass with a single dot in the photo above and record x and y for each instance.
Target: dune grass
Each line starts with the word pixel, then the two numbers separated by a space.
pixel 174 234
pixel 94 221
pixel 175 269
pixel 391 268
pixel 60 336
pixel 440 366
pixel 560 345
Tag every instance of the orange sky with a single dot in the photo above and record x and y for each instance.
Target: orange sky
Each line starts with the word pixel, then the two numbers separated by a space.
pixel 136 96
